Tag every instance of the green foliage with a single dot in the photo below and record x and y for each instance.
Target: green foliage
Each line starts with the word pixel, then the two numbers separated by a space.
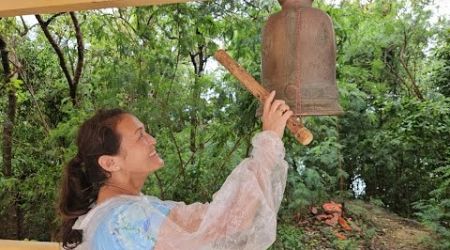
pixel 435 212
pixel 439 73
pixel 289 237
pixel 345 244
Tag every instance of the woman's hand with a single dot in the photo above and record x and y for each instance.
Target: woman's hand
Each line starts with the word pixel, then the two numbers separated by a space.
pixel 275 115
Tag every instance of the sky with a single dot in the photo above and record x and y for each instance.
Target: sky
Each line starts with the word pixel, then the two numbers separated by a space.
pixel 441 8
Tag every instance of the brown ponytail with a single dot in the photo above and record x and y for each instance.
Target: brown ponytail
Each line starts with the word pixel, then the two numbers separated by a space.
pixel 83 176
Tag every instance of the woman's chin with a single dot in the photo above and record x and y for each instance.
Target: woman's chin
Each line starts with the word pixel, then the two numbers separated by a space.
pixel 161 163
pixel 157 164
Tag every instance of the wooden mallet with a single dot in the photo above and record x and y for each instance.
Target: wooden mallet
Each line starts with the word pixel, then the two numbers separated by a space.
pixel 302 134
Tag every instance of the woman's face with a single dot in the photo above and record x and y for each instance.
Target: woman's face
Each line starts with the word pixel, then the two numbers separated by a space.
pixel 137 153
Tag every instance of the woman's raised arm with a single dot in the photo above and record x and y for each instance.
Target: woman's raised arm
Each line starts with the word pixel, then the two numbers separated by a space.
pixel 243 213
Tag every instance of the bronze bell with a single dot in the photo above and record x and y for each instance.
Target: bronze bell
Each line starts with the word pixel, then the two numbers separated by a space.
pixel 299 59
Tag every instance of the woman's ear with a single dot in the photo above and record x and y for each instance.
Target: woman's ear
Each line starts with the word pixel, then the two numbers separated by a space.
pixel 108 163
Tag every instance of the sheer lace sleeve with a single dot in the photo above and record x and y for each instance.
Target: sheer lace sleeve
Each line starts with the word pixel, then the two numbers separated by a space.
pixel 242 214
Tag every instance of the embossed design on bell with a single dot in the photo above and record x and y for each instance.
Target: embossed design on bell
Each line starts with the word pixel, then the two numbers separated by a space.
pixel 299 58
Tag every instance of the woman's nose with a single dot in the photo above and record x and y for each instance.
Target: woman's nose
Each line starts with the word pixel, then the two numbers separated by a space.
pixel 150 139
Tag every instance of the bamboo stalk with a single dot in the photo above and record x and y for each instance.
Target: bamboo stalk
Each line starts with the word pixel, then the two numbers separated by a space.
pixel 294 124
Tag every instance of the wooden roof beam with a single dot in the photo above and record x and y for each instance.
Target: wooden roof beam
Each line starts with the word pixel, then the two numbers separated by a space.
pixel 10 8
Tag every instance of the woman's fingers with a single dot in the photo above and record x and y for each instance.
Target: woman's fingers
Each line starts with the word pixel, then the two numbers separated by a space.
pixel 275 114
pixel 268 103
pixel 271 105
pixel 276 105
pixel 287 115
pixel 284 107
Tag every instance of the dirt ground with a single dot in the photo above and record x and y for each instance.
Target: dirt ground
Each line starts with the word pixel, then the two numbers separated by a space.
pixel 394 232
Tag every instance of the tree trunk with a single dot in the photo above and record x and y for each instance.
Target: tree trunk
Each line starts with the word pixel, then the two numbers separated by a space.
pixel 19 215
pixel 8 126
pixel 198 62
pixel 8 132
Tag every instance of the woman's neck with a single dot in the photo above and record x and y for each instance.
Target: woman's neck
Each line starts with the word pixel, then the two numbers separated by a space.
pixel 121 184
pixel 110 190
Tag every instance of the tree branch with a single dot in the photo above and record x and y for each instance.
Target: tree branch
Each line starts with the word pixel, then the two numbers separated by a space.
pixel 177 61
pixel 72 81
pixel 62 61
pixel 47 23
pixel 227 157
pixel 25 28
pixel 194 63
pixel 160 185
pixel 405 66
pixel 80 49
pixel 35 103
pixel 395 74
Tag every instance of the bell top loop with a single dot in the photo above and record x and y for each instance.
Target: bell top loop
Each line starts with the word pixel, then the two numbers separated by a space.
pixel 296 3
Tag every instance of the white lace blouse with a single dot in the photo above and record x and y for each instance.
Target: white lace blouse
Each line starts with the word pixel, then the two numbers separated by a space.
pixel 241 215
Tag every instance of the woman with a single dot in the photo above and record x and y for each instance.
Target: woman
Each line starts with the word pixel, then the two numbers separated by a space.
pixel 102 206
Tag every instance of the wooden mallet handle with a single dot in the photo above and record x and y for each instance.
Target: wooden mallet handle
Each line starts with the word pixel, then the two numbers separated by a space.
pixel 302 134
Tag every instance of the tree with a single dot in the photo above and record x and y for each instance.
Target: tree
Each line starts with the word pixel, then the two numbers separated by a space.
pixel 72 81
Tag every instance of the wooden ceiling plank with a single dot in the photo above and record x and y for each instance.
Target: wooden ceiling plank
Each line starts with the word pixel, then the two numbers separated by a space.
pixel 27 7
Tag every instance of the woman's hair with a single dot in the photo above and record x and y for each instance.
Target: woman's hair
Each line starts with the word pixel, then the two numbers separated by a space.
pixel 83 176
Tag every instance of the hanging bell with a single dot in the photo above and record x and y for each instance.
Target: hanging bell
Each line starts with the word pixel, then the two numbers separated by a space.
pixel 299 59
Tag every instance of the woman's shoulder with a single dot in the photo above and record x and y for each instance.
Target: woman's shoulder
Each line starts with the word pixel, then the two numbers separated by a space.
pixel 131 204
pixel 130 208
pixel 127 220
